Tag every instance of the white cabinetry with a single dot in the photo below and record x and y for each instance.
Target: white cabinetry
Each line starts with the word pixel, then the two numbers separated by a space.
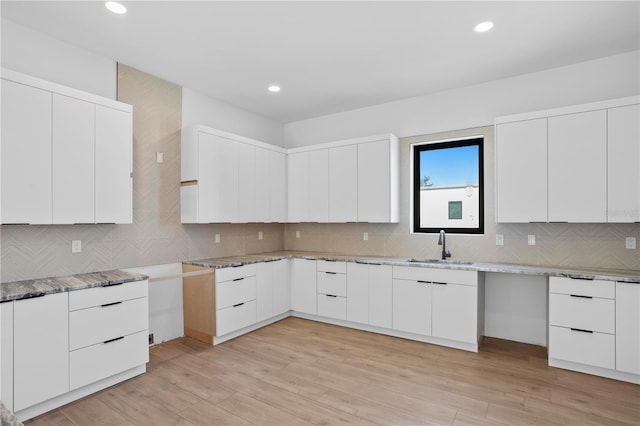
pixel 303 283
pixel 623 157
pixel 264 291
pixel 412 306
pixel 378 181
pixel 318 185
pixel 332 289
pixel 521 177
pixel 343 184
pixel 628 327
pixel 6 354
pixel 26 154
pixel 236 294
pixel 370 294
pixel 227 178
pixel 41 327
pixel 281 287
pixel 298 187
pixel 577 167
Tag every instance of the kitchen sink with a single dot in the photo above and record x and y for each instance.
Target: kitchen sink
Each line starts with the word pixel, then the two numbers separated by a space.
pixel 440 261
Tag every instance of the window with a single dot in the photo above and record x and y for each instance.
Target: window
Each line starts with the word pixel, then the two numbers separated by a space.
pixel 448 190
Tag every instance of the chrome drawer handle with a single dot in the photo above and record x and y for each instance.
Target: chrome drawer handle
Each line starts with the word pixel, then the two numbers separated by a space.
pixel 110 304
pixel 581 330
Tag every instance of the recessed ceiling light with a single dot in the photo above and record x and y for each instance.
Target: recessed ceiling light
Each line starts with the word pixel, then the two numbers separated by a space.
pixel 274 88
pixel 116 7
pixel 483 26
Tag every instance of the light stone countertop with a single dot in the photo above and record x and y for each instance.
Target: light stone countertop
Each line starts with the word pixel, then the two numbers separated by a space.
pixel 7 418
pixel 632 276
pixel 17 290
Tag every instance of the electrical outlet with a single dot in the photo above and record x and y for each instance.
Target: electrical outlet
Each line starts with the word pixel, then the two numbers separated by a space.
pixel 151 341
pixel 365 236
pixel 499 239
pixel 217 238
pixel 630 243
pixel 297 234
pixel 76 246
pixel 260 235
pixel 159 157
pixel 531 240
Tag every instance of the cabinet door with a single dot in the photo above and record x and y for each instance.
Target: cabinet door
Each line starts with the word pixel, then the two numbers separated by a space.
pixel 218 179
pixel 319 185
pixel 455 312
pixel 412 307
pixel 246 183
pixel 264 293
pixel 577 169
pixel 278 198
pixel 262 183
pixel 298 187
pixel 41 327
pixel 281 287
pixel 623 164
pixel 73 150
pixel 521 171
pixel 303 280
pixel 358 293
pixel 628 327
pixel 343 184
pixel 114 183
pixel 6 354
pixel 380 296
pixel 26 154
pixel 374 182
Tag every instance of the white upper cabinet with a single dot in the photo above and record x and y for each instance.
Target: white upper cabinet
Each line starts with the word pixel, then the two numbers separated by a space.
pixel 114 165
pixel 378 181
pixel 66 154
pixel 576 164
pixel 228 178
pixel 319 185
pixel 577 147
pixel 521 174
pixel 623 156
pixel 343 184
pixel 26 154
pixel 298 187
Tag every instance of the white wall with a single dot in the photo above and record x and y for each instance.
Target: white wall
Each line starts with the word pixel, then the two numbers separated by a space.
pixel 478 105
pixel 40 55
pixel 198 108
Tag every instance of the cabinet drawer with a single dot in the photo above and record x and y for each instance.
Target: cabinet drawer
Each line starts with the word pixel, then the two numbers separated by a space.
pixel 93 363
pixel 231 293
pixel 582 312
pixel 596 349
pixel 593 288
pixel 101 323
pixel 332 306
pixel 329 266
pixel 451 276
pixel 332 283
pixel 98 296
pixel 235 317
pixel 232 273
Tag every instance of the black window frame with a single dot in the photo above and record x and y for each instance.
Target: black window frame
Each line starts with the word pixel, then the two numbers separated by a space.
pixel 416 149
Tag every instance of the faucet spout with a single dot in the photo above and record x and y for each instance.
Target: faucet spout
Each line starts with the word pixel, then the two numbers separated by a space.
pixel 442 241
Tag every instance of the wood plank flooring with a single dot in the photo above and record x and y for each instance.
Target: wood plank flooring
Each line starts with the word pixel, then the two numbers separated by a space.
pixel 298 372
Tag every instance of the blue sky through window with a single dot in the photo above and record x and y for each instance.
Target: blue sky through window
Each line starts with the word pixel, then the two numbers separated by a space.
pixel 450 166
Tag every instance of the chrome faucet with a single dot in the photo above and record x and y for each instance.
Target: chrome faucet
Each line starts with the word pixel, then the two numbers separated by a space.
pixel 442 241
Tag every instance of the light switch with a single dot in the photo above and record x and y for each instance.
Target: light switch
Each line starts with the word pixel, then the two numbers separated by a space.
pixel 531 240
pixel 630 243
pixel 217 238
pixel 260 235
pixel 365 236
pixel 297 234
pixel 159 157
pixel 499 239
pixel 76 246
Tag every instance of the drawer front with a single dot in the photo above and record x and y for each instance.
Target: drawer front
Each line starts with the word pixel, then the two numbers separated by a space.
pixel 93 363
pixel 451 276
pixel 332 306
pixel 97 296
pixel 231 293
pixel 96 325
pixel 332 283
pixel 232 273
pixel 582 312
pixel 593 288
pixel 596 349
pixel 329 266
pixel 235 317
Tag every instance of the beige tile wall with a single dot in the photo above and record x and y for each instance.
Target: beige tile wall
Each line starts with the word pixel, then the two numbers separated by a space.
pixel 156 236
pixel 579 245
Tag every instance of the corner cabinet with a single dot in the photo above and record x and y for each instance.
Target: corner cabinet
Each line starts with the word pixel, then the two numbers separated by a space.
pixel 577 164
pixel 228 178
pixel 66 154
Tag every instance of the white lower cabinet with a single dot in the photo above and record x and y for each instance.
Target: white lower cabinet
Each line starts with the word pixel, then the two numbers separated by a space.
pixel 235 317
pixel 628 327
pixel 332 289
pixel 370 294
pixel 281 287
pixel 412 306
pixel 273 290
pixel 454 312
pixel 332 306
pixel 40 326
pixel 582 346
pixel 303 282
pixel 236 295
pixel 6 354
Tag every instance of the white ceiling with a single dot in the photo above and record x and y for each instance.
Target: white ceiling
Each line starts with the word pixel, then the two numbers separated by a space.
pixel 335 56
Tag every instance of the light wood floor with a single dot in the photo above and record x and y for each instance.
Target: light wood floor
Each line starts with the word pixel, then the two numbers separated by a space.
pixel 299 372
